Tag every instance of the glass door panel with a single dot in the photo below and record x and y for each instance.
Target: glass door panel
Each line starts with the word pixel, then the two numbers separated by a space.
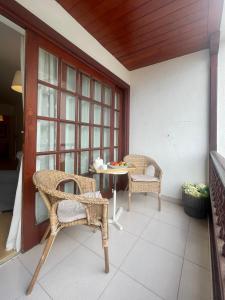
pixel 67 162
pixel 46 162
pixel 46 136
pixel 84 137
pixel 48 67
pixel 107 95
pixel 107 116
pixel 106 137
pixel 68 78
pixel 67 136
pixel 68 107
pixel 47 101
pixel 85 111
pixel 97 137
pixel 86 82
pixel 84 162
pixel 97 114
pixel 97 91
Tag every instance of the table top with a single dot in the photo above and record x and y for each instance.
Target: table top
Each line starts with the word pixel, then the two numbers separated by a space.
pixel 113 171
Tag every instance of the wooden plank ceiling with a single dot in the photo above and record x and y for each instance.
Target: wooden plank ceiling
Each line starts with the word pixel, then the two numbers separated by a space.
pixel 143 32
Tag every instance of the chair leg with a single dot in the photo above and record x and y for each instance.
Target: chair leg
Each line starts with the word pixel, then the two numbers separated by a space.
pixel 159 202
pixel 45 234
pixel 129 201
pixel 45 253
pixel 106 254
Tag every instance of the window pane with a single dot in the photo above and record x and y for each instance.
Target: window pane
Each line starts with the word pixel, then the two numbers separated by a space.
pixel 116 154
pixel 48 67
pixel 105 181
pixel 96 154
pixel 46 136
pixel 41 212
pixel 116 119
pixel 116 137
pixel 84 162
pixel 97 180
pixel 45 162
pixel 107 95
pixel 86 86
pixel 106 137
pixel 67 162
pixel 106 156
pixel 97 91
pixel 69 187
pixel 117 101
pixel 97 114
pixel 84 137
pixel 67 136
pixel 68 78
pixel 67 107
pixel 97 137
pixel 107 116
pixel 85 110
pixel 47 101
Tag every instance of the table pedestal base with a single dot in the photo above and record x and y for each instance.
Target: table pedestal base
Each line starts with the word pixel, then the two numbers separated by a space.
pixel 116 217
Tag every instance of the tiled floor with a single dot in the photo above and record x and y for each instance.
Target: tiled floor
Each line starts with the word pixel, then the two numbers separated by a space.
pixel 158 255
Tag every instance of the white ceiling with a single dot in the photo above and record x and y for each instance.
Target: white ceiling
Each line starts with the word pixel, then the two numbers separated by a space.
pixel 9 59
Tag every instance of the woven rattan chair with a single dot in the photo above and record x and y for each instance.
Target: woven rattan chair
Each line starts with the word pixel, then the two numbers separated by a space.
pixel 92 210
pixel 139 182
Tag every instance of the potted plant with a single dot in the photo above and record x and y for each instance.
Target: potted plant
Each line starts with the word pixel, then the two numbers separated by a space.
pixel 195 199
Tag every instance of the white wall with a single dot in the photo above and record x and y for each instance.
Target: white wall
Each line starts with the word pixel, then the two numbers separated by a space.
pixel 50 12
pixel 169 118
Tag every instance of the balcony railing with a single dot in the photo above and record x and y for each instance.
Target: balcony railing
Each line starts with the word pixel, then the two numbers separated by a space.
pixel 217 223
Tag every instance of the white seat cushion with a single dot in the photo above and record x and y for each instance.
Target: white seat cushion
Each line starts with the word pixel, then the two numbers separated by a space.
pixel 143 178
pixel 71 210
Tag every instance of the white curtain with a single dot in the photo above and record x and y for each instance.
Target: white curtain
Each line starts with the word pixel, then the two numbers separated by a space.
pixel 14 237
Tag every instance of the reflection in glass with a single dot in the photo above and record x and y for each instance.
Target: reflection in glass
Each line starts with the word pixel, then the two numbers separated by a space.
pixel 116 119
pixel 84 137
pixel 97 91
pixel 68 107
pixel 46 136
pixel 45 162
pixel 67 136
pixel 97 114
pixel 67 162
pixel 68 78
pixel 85 85
pixel 41 212
pixel 106 116
pixel 85 110
pixel 108 95
pixel 116 137
pixel 106 156
pixel 47 101
pixel 47 67
pixel 97 137
pixel 84 162
pixel 106 137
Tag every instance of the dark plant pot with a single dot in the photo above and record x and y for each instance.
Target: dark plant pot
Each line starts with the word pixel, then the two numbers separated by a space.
pixel 195 207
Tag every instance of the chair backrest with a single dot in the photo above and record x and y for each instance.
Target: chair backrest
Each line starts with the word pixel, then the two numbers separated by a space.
pixel 47 182
pixel 141 163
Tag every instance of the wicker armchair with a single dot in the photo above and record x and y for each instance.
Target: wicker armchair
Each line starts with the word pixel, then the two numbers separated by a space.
pixel 93 211
pixel 139 182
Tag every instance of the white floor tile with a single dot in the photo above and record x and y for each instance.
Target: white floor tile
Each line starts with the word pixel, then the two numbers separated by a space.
pixel 37 294
pixel 195 283
pixel 166 236
pixel 62 246
pixel 146 205
pixel 14 280
pixel 134 222
pixel 197 250
pixel 200 227
pixel 176 218
pixel 123 287
pixel 120 243
pixel 154 267
pixel 80 233
pixel 80 276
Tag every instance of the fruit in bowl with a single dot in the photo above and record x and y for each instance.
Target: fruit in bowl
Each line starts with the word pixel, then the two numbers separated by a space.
pixel 118 164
